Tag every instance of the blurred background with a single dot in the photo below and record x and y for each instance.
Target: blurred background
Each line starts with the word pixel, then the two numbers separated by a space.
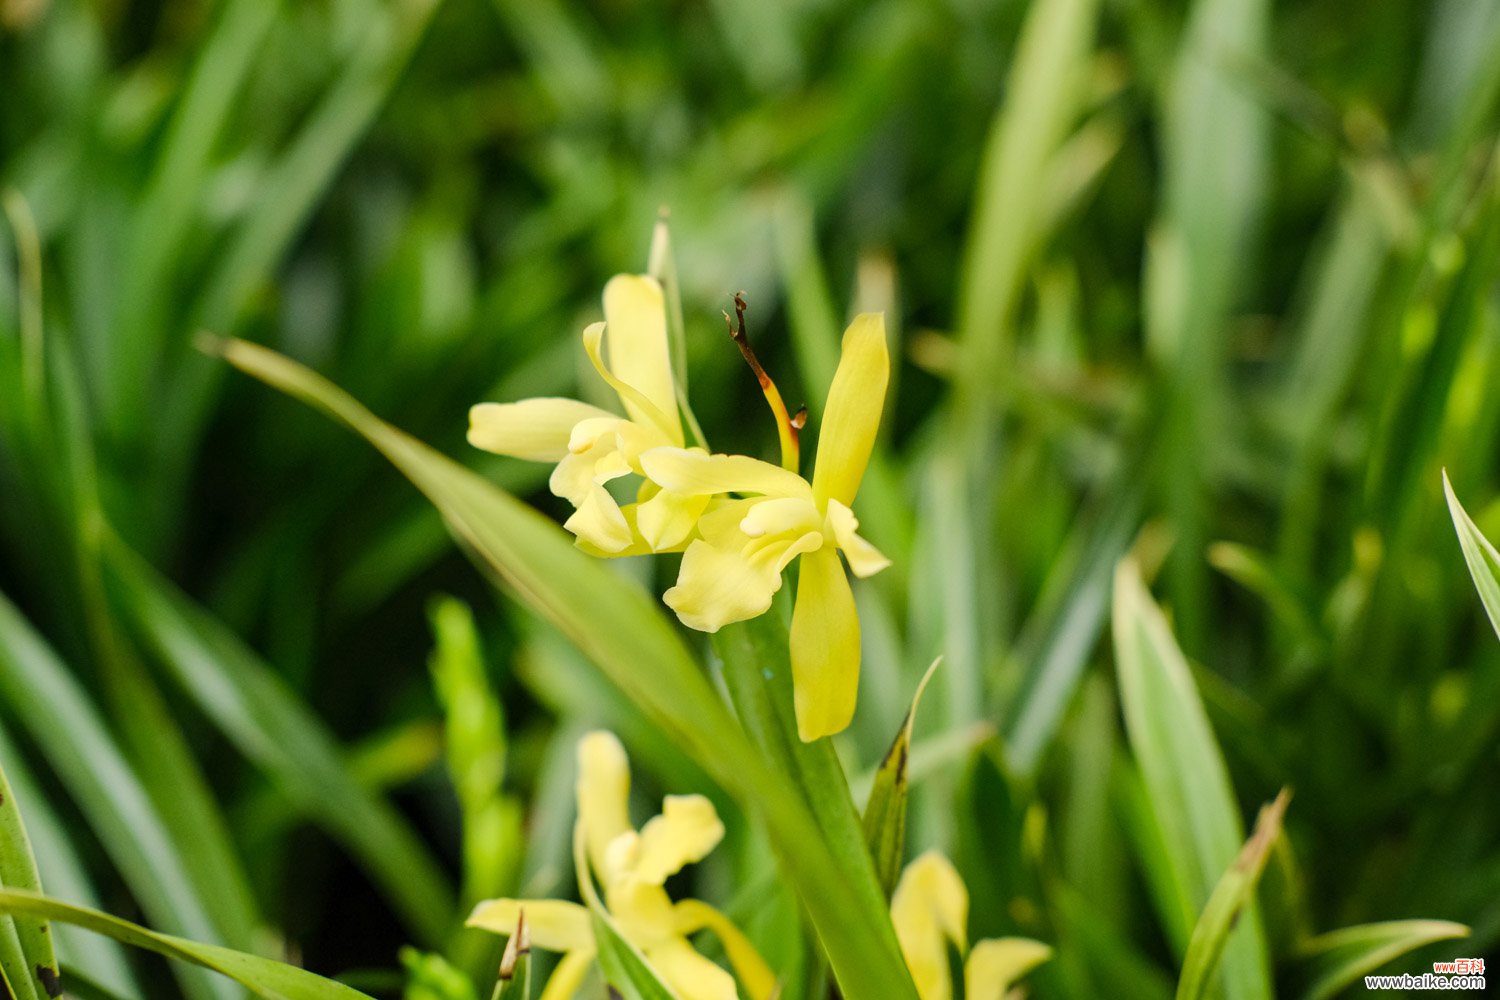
pixel 1215 281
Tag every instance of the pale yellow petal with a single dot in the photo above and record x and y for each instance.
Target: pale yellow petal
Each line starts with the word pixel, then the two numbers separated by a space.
pixel 641 409
pixel 642 912
pixel 864 558
pixel 779 516
pixel 996 963
pixel 599 522
pixel 931 882
pixel 717 586
pixel 695 471
pixel 667 519
pixel 587 433
pixel 634 440
pixel 824 646
pixel 685 832
pixel 553 924
pixel 574 476
pixel 852 415
pixel 635 317
pixel 567 978
pixel 533 429
pixel 689 974
pixel 603 792
pixel 720 523
pixel 777 552
pixel 612 466
pixel 929 908
pixel 754 974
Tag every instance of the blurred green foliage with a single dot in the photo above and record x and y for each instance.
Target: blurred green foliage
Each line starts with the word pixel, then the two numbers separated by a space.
pixel 1214 282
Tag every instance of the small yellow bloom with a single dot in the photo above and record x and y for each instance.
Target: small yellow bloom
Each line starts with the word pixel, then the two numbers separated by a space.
pixel 632 866
pixel 592 446
pixel 929 909
pixel 732 571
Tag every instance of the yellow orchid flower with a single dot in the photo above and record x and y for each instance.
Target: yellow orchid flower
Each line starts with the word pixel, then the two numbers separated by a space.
pixel 592 446
pixel 631 866
pixel 929 909
pixel 732 571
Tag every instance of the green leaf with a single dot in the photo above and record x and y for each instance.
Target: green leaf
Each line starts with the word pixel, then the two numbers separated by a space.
pixel 262 976
pixel 1185 778
pixel 758 673
pixel 270 726
pixel 622 630
pixel 1332 961
pixel 430 976
pixel 75 741
pixel 885 811
pixel 1042 98
pixel 1483 560
pixel 1235 889
pixel 38 966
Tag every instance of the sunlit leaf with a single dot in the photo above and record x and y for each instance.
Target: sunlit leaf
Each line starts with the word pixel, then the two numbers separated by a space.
pixel 37 968
pixel 1483 560
pixel 1235 889
pixel 262 976
pixel 885 812
pixel 1332 961
pixel 1185 778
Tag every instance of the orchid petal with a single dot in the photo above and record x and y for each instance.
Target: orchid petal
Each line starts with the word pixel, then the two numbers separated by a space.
pixel 587 433
pixel 755 975
pixel 553 924
pixel 642 410
pixel 851 417
pixel 689 974
pixel 929 908
pixel 665 520
pixel 574 476
pixel 635 315
pixel 684 470
pixel 824 647
pixel 717 586
pixel 864 558
pixel 603 792
pixel 599 522
pixel 685 832
pixel 568 976
pixel 780 516
pixel 996 963
pixel 534 429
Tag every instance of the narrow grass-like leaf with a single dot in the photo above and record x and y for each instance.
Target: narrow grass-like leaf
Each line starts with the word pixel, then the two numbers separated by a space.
pixel 624 632
pixel 18 871
pixel 58 715
pixel 62 871
pixel 758 673
pixel 1041 103
pixel 262 976
pixel 885 812
pixel 1059 638
pixel 1235 889
pixel 274 729
pixel 1483 560
pixel 1332 961
pixel 1185 778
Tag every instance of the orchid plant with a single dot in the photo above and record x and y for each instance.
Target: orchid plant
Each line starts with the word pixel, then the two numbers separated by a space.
pixel 740 522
